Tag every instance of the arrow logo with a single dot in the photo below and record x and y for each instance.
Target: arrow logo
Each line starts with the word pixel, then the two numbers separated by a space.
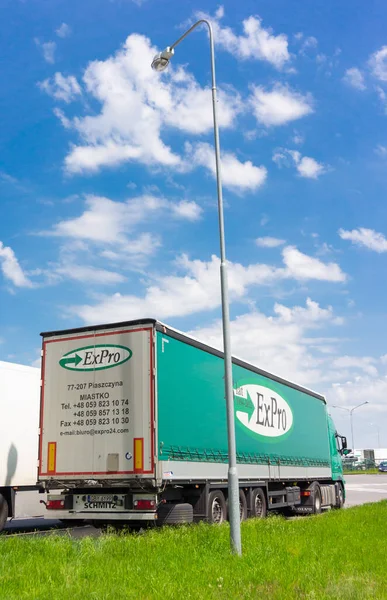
pixel 95 357
pixel 244 405
pixel 73 360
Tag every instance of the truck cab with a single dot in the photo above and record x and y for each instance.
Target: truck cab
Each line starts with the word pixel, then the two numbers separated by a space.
pixel 338 448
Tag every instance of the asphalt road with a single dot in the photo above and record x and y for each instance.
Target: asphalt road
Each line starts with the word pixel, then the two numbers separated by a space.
pixel 361 489
pixel 365 488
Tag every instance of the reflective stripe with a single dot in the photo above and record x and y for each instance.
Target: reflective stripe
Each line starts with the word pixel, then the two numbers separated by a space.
pixel 51 457
pixel 138 453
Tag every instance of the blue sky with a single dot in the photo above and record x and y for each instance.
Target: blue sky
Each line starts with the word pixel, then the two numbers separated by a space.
pixel 108 193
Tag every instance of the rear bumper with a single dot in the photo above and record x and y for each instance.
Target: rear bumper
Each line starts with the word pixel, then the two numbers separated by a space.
pixel 101 516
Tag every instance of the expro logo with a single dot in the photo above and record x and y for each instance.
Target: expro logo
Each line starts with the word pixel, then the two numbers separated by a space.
pixel 262 410
pixel 95 358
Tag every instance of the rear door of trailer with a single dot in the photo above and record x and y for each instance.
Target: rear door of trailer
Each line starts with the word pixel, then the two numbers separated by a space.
pixel 97 404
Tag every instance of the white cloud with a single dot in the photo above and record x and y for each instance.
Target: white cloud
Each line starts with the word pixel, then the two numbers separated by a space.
pixel 11 268
pixel 378 64
pixel 306 166
pixel 309 167
pixel 301 266
pixel 108 222
pixel 312 315
pixel 48 50
pixel 309 42
pixel 87 274
pixel 235 174
pixel 62 118
pixel 196 117
pixel 381 150
pixel 91 158
pixel 281 157
pixel 187 210
pixel 298 138
pixel 63 31
pixel 113 231
pixel 197 288
pixel 277 343
pixel 365 237
pixel 355 78
pixel 269 242
pixel 362 363
pixel 137 105
pixel 144 245
pixel 256 43
pixel 61 88
pixel 383 97
pixel 361 389
pixel 280 105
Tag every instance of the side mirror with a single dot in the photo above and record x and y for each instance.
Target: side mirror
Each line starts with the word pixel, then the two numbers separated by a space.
pixel 342 445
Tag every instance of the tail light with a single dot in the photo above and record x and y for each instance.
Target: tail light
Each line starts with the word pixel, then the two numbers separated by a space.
pixel 55 504
pixel 305 492
pixel 144 504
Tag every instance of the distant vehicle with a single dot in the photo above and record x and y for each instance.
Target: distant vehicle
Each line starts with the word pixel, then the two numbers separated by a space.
pixel 383 466
pixel 365 464
pixel 133 429
pixel 350 463
pixel 19 406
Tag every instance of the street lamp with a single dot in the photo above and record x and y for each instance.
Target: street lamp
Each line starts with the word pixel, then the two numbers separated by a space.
pixel 378 430
pixel 160 62
pixel 350 410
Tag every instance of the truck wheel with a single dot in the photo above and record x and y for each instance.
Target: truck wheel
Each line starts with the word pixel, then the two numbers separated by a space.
pixel 258 504
pixel 216 507
pixel 242 506
pixel 339 497
pixel 3 512
pixel 174 514
pixel 315 489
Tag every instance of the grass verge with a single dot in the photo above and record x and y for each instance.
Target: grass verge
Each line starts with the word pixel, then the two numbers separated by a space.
pixel 339 555
pixel 363 472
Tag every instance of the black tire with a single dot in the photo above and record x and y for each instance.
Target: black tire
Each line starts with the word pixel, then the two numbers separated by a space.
pixel 3 512
pixel 317 501
pixel 174 514
pixel 339 497
pixel 216 508
pixel 242 506
pixel 258 504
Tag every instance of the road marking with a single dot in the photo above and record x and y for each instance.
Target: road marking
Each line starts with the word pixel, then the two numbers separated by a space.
pixel 369 490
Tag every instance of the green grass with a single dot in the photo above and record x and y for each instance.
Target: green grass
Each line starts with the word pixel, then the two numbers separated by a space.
pixel 361 472
pixel 340 555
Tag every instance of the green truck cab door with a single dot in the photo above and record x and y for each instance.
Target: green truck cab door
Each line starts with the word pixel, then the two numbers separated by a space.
pixel 336 463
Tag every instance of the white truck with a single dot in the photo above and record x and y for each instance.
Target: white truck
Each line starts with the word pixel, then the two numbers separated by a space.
pixel 19 426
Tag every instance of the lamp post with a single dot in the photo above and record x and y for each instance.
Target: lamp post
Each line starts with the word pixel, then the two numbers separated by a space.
pixel 350 410
pixel 378 430
pixel 160 62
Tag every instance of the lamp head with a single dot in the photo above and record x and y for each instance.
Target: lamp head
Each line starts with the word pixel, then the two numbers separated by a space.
pixel 161 60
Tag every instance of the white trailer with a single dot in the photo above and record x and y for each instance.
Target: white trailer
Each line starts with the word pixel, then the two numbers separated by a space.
pixel 19 430
pixel 380 455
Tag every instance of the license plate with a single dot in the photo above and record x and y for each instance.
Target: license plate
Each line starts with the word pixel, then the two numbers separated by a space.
pixel 98 502
pixel 99 498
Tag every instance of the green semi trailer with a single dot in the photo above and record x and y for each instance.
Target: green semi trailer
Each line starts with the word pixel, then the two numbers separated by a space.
pixel 133 430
